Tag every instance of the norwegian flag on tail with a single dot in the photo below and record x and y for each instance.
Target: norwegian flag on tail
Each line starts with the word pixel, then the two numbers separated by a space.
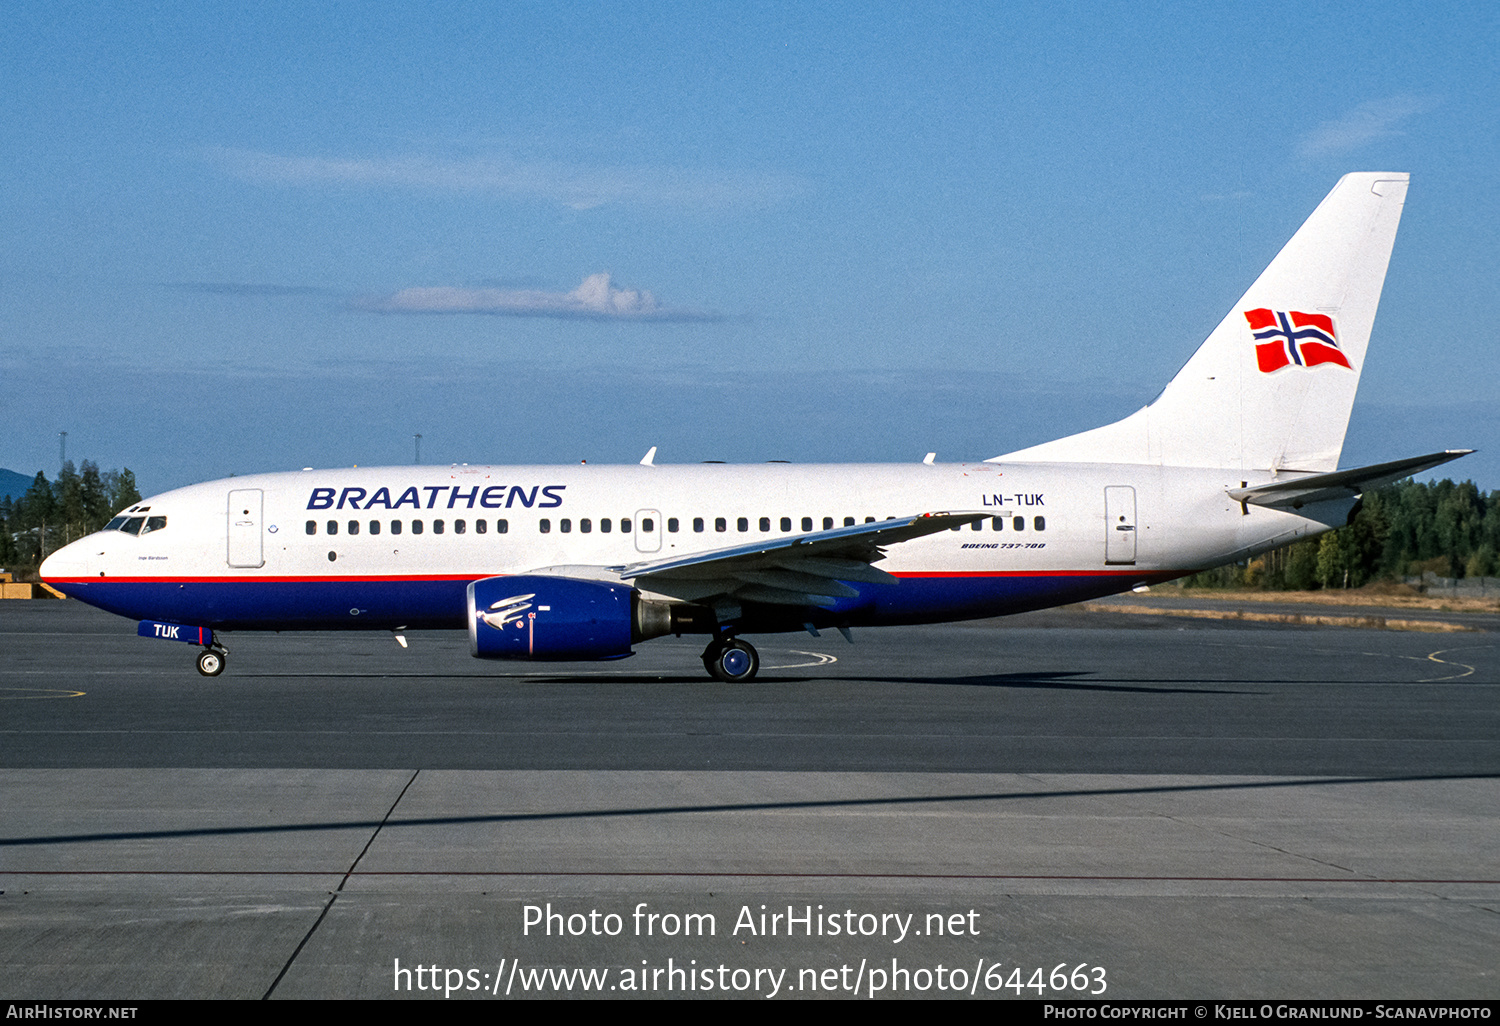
pixel 1284 338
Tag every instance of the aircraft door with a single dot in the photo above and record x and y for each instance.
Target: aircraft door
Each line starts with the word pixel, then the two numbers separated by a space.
pixel 648 528
pixel 245 542
pixel 1119 525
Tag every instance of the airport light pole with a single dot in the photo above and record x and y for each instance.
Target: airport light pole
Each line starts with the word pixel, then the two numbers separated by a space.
pixel 418 439
pixel 62 453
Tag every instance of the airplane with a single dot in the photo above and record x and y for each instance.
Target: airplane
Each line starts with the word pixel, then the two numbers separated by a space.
pixel 1237 455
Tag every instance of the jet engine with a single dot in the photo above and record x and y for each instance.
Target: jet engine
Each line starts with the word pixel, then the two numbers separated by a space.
pixel 565 618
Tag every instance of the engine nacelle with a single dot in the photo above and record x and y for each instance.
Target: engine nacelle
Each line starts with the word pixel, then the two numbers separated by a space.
pixel 534 617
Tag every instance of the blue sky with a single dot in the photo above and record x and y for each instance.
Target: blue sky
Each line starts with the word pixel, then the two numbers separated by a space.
pixel 260 237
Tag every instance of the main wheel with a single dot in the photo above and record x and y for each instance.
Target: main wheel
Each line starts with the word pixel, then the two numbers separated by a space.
pixel 210 662
pixel 732 662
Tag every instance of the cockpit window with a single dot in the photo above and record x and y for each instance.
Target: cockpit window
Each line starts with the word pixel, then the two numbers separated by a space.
pixel 154 524
pixel 114 525
pixel 133 525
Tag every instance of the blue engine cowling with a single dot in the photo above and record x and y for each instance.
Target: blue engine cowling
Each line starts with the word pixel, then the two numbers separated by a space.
pixel 532 617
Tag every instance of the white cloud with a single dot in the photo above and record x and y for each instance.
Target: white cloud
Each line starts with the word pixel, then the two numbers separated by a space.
pixel 577 186
pixel 595 299
pixel 1376 119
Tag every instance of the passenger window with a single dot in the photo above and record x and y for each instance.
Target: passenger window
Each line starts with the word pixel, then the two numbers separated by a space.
pixel 416 527
pixel 585 525
pixel 395 527
pixel 807 523
pixel 502 526
pixel 997 523
pixel 333 527
pixel 565 525
pixel 848 521
pixel 956 527
pixel 437 527
pixel 459 527
pixel 828 523
pixel 1018 524
pixel 604 525
pixel 624 525
pixel 721 525
pixel 1040 523
pixel 697 525
pixel 765 523
pixel 743 524
pixel 869 520
pixel 647 525
pixel 978 525
pixel 481 526
pixel 354 527
pixel 786 524
pixel 672 524
pixel 544 525
pixel 374 526
pixel 312 526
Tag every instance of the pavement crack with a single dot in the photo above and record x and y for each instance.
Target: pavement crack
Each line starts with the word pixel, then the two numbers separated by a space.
pixel 338 890
pixel 376 833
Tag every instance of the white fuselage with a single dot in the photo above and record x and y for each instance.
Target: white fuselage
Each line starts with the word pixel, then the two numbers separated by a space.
pixel 324 549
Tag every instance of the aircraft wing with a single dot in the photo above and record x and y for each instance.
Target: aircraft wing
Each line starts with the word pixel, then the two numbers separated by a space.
pixel 1341 484
pixel 800 569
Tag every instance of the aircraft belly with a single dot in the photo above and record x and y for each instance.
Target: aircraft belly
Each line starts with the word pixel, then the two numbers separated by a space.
pixel 258 604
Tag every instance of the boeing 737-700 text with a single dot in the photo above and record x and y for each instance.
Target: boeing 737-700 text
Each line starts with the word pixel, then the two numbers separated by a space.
pixel 1238 455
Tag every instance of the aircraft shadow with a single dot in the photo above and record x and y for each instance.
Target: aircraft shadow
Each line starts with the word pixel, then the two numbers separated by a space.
pixel 1056 681
pixel 392 821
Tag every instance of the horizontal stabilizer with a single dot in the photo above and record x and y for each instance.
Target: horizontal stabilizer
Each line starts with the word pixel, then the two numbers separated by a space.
pixel 1340 484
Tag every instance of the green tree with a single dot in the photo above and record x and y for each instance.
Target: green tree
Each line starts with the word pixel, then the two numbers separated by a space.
pixel 38 512
pixel 8 552
pixel 67 492
pixel 122 490
pixel 96 508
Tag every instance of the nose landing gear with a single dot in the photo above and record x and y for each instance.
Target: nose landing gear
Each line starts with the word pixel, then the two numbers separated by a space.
pixel 211 661
pixel 731 660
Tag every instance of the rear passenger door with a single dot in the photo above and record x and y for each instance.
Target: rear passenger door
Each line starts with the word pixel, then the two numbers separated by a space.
pixel 1119 525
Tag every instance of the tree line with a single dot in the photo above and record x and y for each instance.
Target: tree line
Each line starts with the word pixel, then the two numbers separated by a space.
pixel 1402 530
pixel 53 513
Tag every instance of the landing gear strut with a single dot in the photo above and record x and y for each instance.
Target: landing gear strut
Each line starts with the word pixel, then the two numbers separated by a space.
pixel 211 661
pixel 731 660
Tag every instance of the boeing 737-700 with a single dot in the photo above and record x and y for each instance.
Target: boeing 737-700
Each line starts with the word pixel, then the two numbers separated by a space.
pixel 1238 455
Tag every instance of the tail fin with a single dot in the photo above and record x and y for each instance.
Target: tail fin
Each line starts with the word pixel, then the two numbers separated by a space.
pixel 1272 387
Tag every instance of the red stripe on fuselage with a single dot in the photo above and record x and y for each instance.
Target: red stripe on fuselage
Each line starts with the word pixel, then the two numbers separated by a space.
pixel 398 578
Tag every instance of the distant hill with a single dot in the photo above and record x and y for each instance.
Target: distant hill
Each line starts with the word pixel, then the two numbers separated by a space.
pixel 13 484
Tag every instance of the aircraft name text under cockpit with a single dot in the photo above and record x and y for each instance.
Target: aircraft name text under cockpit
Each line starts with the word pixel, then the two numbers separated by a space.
pixel 487 497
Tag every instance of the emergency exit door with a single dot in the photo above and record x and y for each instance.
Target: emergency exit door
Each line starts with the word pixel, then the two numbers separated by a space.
pixel 1119 525
pixel 647 530
pixel 245 543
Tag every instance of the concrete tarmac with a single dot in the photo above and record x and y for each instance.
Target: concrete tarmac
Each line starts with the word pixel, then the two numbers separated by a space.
pixel 1164 809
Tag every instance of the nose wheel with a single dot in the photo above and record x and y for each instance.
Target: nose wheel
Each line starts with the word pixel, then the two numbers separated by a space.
pixel 731 661
pixel 211 662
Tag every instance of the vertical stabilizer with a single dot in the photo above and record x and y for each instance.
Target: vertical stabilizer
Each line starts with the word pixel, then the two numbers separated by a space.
pixel 1272 387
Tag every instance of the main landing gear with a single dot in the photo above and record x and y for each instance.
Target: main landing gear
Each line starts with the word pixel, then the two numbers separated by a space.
pixel 211 661
pixel 731 660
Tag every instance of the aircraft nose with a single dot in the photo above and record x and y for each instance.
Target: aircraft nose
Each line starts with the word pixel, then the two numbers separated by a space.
pixel 68 561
